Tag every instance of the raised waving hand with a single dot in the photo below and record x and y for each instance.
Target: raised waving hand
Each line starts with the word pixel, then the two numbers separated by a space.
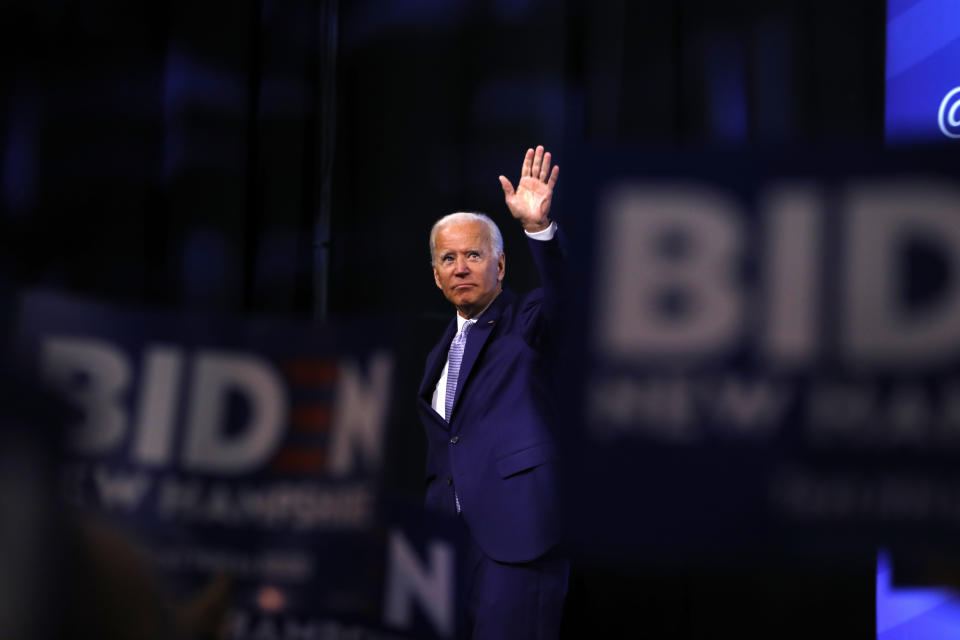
pixel 530 201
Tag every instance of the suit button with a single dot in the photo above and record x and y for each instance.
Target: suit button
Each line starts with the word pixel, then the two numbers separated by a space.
pixel 449 480
pixel 454 439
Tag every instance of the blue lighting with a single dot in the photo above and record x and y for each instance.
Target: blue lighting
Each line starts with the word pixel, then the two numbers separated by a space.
pixel 923 71
pixel 910 614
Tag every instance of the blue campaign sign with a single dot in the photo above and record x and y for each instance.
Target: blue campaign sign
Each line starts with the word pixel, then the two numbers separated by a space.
pixel 923 71
pixel 771 351
pixel 247 451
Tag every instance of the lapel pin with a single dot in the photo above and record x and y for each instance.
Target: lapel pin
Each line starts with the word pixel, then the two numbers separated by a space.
pixel 489 321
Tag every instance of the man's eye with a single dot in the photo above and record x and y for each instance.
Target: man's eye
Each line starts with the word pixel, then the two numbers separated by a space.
pixel 474 255
pixel 447 258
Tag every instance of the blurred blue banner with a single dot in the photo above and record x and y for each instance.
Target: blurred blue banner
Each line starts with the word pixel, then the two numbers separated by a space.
pixel 770 354
pixel 248 452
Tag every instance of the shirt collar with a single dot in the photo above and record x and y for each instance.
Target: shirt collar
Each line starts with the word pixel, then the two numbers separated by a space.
pixel 462 321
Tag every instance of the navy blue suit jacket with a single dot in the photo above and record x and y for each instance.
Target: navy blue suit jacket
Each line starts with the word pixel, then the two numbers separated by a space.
pixel 498 450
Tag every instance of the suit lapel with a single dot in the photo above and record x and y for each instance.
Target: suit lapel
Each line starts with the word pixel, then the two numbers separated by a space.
pixel 435 361
pixel 476 340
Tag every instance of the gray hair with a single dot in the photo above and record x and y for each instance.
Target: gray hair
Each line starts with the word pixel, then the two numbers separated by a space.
pixel 496 240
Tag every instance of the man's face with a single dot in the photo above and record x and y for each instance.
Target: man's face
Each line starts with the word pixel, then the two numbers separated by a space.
pixel 465 268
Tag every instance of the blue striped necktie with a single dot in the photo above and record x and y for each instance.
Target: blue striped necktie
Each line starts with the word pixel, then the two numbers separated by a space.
pixel 454 358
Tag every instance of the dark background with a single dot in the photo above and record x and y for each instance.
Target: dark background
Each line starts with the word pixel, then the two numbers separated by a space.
pixel 289 158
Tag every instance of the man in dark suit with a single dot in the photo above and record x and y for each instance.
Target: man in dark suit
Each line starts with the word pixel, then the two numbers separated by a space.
pixel 486 404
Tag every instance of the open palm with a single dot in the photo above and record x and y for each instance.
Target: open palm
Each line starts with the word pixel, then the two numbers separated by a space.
pixel 530 201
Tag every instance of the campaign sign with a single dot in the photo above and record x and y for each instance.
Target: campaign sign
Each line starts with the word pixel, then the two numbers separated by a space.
pixel 771 351
pixel 247 452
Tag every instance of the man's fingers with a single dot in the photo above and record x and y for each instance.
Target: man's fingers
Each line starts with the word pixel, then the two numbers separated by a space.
pixel 527 164
pixel 507 186
pixel 545 167
pixel 553 176
pixel 537 160
pixel 536 164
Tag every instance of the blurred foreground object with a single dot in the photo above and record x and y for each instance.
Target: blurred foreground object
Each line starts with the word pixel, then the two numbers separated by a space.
pixel 226 471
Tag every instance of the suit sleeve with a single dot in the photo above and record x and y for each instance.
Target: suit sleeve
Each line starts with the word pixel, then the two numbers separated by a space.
pixel 545 309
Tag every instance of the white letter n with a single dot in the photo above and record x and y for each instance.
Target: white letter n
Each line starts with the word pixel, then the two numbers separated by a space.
pixel 408 581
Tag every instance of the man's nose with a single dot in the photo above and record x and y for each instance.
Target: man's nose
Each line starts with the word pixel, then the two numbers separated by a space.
pixel 461 266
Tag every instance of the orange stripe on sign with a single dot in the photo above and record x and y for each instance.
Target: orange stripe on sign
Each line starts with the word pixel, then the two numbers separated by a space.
pixel 310 371
pixel 300 461
pixel 313 417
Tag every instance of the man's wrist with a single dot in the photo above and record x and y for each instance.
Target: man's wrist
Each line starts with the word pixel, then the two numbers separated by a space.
pixel 546 233
pixel 533 226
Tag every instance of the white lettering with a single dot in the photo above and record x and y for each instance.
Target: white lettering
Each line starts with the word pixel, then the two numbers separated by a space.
pixel 663 300
pixel 123 490
pixel 360 414
pixel 792 275
pixel 878 329
pixel 159 399
pixel 94 374
pixel 432 586
pixel 755 406
pixel 207 447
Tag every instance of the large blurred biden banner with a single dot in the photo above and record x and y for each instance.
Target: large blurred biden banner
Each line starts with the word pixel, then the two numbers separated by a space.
pixel 250 449
pixel 771 354
pixel 923 71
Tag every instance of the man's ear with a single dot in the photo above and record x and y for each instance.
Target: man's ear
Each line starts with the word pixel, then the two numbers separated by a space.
pixel 436 278
pixel 501 267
